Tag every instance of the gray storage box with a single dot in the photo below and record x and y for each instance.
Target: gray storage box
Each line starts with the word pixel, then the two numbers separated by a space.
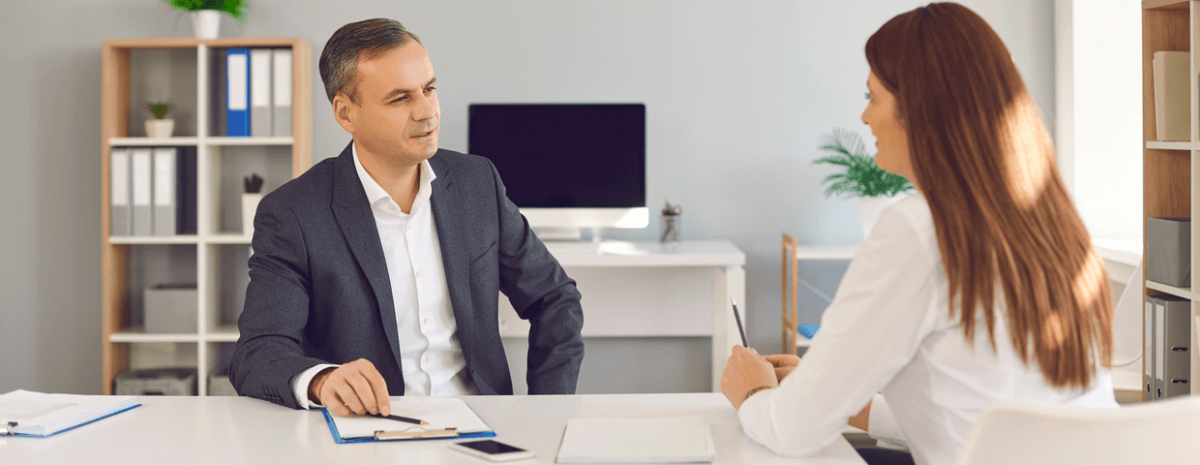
pixel 171 309
pixel 219 385
pixel 157 382
pixel 1169 251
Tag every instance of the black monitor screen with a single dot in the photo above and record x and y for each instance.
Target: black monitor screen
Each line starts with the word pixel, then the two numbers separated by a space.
pixel 564 156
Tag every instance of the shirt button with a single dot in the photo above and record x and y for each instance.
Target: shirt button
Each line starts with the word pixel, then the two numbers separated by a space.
pixel 418 273
pixel 426 321
pixel 391 207
pixel 410 226
pixel 428 358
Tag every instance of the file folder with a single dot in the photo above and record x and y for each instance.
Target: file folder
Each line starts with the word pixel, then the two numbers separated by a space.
pixel 143 208
pixel 1177 346
pixel 1160 320
pixel 237 92
pixel 119 193
pixel 260 92
pixel 281 100
pixel 166 191
pixel 1148 351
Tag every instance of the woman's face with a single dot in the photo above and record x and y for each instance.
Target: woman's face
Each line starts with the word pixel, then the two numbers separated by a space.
pixel 891 138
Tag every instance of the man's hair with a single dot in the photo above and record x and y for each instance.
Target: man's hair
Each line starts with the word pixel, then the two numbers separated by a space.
pixel 353 42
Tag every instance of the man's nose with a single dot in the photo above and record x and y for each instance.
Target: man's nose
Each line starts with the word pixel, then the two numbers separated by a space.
pixel 426 108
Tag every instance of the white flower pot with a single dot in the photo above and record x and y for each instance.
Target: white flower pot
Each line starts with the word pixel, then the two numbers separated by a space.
pixel 160 127
pixel 206 23
pixel 249 206
pixel 869 209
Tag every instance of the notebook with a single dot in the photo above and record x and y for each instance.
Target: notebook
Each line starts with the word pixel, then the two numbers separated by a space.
pixel 439 412
pixel 637 440
pixel 42 415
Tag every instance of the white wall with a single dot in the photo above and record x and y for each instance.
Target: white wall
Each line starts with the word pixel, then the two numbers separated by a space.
pixel 737 94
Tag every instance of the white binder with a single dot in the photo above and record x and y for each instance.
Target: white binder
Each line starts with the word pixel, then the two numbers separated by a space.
pixel 260 92
pixel 281 101
pixel 119 193
pixel 143 209
pixel 166 188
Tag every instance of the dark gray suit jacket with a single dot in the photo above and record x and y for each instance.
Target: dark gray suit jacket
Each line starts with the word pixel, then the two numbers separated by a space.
pixel 319 290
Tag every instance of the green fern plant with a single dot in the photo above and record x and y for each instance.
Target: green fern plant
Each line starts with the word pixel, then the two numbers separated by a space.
pixel 160 109
pixel 862 178
pixel 234 8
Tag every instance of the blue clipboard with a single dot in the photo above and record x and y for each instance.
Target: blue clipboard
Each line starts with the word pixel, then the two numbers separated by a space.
pixel 42 436
pixel 337 437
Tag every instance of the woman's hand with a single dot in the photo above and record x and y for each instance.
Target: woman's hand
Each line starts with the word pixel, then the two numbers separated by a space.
pixel 746 371
pixel 783 363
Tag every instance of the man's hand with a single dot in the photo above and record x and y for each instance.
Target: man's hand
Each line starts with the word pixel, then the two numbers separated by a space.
pixel 355 387
pixel 745 371
pixel 783 363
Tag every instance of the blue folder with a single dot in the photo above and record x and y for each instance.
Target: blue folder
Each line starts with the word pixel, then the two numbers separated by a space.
pixel 237 92
pixel 40 436
pixel 340 440
pixel 808 330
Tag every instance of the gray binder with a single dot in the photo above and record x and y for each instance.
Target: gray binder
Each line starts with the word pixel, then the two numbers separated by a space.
pixel 166 191
pixel 281 90
pixel 143 207
pixel 1148 359
pixel 1177 346
pixel 260 92
pixel 119 192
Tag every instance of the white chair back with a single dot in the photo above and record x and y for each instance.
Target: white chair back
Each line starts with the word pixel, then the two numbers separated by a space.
pixel 1027 433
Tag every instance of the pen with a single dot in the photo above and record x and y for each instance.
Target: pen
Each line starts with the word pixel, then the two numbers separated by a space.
pixel 399 418
pixel 739 322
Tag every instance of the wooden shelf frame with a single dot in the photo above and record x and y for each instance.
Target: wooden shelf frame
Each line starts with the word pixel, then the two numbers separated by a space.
pixel 1171 170
pixel 117 337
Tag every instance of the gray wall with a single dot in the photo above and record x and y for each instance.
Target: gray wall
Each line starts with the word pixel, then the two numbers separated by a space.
pixel 737 95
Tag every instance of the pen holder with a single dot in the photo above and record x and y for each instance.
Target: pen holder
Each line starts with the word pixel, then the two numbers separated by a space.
pixel 670 229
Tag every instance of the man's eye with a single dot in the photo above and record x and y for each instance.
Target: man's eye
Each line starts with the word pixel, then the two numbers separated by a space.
pixel 430 89
pixel 400 99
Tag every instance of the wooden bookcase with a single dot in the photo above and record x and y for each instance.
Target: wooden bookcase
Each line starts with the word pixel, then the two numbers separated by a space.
pixel 1170 176
pixel 182 71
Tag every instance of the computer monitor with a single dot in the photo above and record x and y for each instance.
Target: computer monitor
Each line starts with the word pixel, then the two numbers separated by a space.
pixel 567 166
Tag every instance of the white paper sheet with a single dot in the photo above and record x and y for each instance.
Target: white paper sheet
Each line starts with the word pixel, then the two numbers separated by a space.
pixel 439 412
pixel 637 440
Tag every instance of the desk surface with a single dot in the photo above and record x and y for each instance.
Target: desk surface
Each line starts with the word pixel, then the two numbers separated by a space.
pixel 231 430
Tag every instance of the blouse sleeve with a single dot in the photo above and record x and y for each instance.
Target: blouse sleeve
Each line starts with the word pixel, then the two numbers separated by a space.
pixel 870 331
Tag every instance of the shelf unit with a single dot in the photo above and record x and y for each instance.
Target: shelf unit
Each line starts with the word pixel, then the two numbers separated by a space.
pixel 1170 168
pixel 123 84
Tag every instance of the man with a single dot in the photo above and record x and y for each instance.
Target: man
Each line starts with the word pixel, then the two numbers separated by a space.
pixel 389 259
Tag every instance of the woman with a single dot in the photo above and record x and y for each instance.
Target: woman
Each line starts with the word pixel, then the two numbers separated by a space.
pixel 983 287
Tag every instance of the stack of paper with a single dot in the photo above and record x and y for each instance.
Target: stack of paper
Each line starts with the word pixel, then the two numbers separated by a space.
pixel 439 412
pixel 42 415
pixel 637 440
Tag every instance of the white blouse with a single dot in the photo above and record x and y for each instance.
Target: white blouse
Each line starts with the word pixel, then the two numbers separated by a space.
pixel 889 331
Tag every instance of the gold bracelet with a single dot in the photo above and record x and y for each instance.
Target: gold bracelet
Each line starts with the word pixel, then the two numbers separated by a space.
pixel 755 390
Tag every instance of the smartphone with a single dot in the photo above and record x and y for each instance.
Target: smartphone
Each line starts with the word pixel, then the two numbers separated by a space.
pixel 491 450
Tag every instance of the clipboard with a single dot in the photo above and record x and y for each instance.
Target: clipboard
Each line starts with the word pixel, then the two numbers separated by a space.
pixel 402 432
pixel 9 428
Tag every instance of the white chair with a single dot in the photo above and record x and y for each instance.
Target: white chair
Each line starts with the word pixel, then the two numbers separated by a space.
pixel 1025 432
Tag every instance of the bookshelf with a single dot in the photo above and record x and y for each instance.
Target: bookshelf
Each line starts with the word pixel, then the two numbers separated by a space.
pixel 183 71
pixel 1170 176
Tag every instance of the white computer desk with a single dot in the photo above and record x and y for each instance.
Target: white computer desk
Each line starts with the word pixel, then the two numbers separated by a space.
pixel 234 430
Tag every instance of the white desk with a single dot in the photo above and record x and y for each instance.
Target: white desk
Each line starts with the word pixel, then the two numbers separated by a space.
pixel 233 430
pixel 649 290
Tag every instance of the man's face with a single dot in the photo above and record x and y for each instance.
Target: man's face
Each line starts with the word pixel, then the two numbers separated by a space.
pixel 397 114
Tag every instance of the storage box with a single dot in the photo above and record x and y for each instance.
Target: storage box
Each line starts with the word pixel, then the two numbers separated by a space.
pixel 219 385
pixel 1169 251
pixel 171 308
pixel 156 382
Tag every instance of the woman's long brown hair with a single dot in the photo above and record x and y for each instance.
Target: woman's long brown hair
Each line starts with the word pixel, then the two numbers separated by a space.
pixel 1003 217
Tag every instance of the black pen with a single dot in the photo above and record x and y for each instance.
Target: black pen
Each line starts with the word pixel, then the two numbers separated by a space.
pixel 739 321
pixel 399 418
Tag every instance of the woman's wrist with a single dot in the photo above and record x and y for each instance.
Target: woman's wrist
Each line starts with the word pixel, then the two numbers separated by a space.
pixel 755 390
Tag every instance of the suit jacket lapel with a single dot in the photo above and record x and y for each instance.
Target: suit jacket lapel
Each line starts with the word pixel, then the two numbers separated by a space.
pixel 447 201
pixel 353 213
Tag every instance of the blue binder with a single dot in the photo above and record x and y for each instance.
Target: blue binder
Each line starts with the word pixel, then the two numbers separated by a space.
pixel 237 92
pixel 337 437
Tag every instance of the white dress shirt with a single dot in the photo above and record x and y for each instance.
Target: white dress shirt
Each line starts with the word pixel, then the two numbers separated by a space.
pixel 889 330
pixel 431 356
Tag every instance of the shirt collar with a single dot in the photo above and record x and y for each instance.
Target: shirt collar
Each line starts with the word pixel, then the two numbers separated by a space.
pixel 375 192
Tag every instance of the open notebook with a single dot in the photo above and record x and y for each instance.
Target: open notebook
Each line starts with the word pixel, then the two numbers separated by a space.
pixel 41 415
pixel 637 440
pixel 440 412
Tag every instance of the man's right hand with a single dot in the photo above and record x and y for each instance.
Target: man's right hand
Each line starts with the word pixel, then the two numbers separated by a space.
pixel 355 387
pixel 783 363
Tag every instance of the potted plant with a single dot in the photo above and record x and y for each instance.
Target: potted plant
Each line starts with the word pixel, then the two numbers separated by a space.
pixel 874 187
pixel 253 185
pixel 206 19
pixel 160 126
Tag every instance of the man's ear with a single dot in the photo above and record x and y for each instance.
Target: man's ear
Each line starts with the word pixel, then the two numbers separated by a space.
pixel 345 112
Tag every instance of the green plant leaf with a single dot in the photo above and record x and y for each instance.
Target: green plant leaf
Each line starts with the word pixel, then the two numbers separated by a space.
pixel 862 177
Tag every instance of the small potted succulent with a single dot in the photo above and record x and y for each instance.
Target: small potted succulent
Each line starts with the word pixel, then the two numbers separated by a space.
pixel 253 185
pixel 206 18
pixel 160 126
pixel 874 187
